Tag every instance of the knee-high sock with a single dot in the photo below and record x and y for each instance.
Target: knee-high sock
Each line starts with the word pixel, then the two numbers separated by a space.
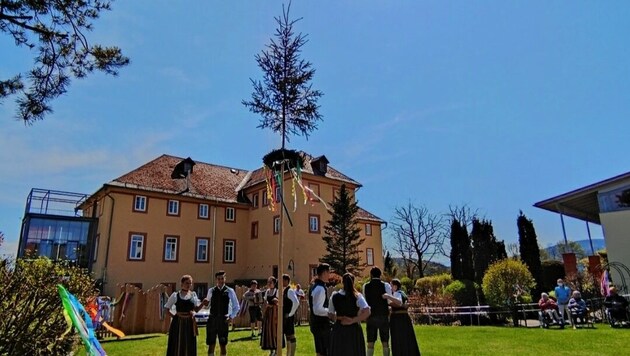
pixel 386 351
pixel 370 352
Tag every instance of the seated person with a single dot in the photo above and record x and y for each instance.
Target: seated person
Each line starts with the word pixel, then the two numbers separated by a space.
pixel 549 307
pixel 617 305
pixel 577 307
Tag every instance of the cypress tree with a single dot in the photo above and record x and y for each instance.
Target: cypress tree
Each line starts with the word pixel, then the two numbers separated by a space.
pixel 528 247
pixel 467 253
pixel 456 255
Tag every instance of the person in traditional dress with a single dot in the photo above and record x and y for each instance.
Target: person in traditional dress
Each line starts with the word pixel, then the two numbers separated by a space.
pixel 268 340
pixel 224 307
pixel 182 333
pixel 254 299
pixel 378 322
pixel 404 341
pixel 318 301
pixel 290 304
pixel 348 308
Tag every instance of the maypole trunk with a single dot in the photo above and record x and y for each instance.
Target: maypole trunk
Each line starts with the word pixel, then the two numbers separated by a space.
pixel 280 335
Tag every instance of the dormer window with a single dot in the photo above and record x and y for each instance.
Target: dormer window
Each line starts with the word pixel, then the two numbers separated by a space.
pixel 320 165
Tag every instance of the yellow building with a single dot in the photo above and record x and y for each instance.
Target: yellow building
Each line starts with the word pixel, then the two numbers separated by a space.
pixel 153 229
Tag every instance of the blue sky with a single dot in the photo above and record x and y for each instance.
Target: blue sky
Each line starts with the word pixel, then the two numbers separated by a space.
pixel 494 104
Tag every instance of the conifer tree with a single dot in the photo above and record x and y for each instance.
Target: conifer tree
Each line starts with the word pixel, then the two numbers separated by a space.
pixel 528 247
pixel 342 235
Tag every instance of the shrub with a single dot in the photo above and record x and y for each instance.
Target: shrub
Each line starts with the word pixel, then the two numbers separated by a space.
pixel 464 292
pixel 32 321
pixel 433 284
pixel 507 281
pixel 407 284
pixel 551 271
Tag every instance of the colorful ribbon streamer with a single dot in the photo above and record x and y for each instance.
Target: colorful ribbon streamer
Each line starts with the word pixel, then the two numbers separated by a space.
pixel 81 320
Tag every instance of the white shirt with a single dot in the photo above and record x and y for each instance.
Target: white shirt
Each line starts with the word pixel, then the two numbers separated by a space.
pixel 190 296
pixel 398 296
pixel 319 296
pixel 294 299
pixel 234 305
pixel 361 302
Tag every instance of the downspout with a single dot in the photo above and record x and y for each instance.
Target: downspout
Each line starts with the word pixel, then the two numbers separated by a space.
pixel 109 238
pixel 214 234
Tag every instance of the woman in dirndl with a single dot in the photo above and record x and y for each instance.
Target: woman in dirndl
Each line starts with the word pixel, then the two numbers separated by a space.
pixel 182 334
pixel 348 308
pixel 268 339
pixel 404 341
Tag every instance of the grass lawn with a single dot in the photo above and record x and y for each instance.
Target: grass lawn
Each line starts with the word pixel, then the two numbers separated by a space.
pixel 433 340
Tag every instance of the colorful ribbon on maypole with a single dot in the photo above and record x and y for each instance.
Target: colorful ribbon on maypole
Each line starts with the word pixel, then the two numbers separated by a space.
pixel 77 316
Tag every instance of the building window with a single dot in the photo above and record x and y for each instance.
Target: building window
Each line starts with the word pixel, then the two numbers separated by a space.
pixel 368 229
pixel 230 214
pixel 170 248
pixel 335 193
pixel 201 289
pixel 140 203
pixel 201 253
pixel 313 223
pixel 276 224
pixel 313 270
pixel 315 188
pixel 265 198
pixel 173 207
pixel 255 200
pixel 229 251
pixel 170 287
pixel 369 254
pixel 136 247
pixel 203 211
pixel 254 234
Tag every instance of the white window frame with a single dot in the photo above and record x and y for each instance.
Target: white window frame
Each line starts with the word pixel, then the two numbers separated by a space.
pixel 229 251
pixel 141 198
pixel 311 219
pixel 174 242
pixel 276 225
pixel 368 229
pixel 204 208
pixel 228 216
pixel 136 245
pixel 369 256
pixel 202 242
pixel 173 207
pixel 255 200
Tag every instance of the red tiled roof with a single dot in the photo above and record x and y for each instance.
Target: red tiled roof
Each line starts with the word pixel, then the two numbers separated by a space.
pixel 258 175
pixel 363 214
pixel 207 180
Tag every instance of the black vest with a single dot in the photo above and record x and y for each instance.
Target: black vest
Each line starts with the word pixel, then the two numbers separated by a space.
pixel 287 303
pixel 374 291
pixel 345 305
pixel 316 319
pixel 220 301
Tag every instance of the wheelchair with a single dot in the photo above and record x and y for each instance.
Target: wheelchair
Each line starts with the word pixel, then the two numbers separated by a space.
pixel 580 318
pixel 546 319
pixel 618 317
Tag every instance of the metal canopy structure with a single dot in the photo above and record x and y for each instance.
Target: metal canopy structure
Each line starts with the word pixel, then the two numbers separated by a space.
pixel 54 202
pixel 582 203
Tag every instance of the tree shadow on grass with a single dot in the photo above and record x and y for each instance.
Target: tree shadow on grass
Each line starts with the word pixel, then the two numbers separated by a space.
pixel 144 337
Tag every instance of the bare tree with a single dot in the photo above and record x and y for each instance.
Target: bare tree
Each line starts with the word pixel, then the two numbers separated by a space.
pixel 513 250
pixel 419 236
pixel 464 214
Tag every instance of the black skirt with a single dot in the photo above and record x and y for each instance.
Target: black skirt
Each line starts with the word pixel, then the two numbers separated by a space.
pixel 182 340
pixel 346 340
pixel 403 337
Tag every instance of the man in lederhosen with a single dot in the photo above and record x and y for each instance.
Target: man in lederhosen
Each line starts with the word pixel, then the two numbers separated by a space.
pixel 378 322
pixel 290 304
pixel 318 302
pixel 223 308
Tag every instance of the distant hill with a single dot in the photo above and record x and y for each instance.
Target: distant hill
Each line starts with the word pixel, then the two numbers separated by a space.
pixel 598 244
pixel 432 269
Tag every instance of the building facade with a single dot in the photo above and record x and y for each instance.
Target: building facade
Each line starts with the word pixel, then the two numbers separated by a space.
pixel 152 229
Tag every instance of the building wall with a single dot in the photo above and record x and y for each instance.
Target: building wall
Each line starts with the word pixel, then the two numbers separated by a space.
pixel 255 258
pixel 616 227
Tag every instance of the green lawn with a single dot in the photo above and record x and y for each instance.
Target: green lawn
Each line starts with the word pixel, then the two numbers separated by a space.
pixel 433 340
